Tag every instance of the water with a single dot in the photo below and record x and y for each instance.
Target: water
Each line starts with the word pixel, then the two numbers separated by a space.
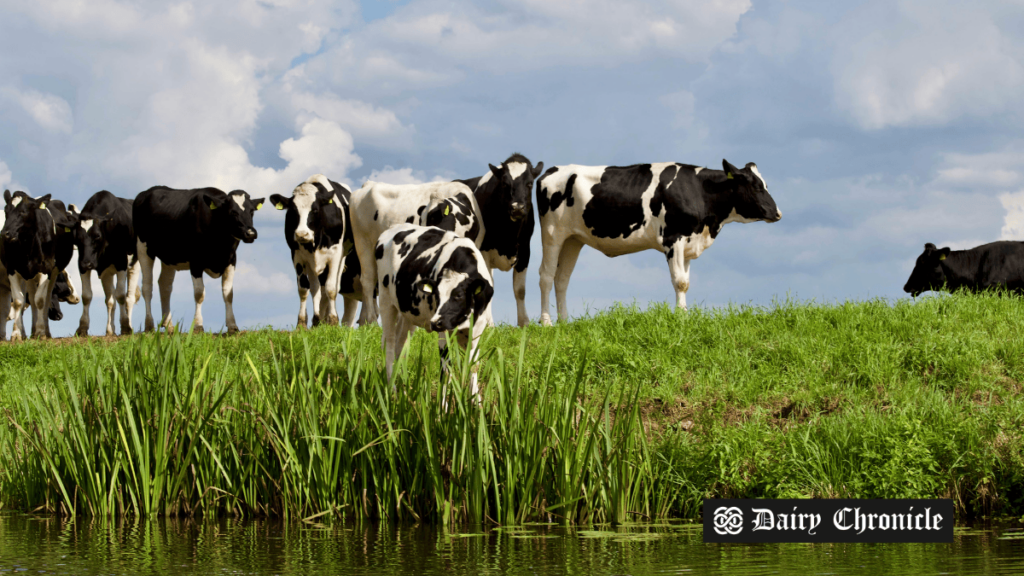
pixel 39 545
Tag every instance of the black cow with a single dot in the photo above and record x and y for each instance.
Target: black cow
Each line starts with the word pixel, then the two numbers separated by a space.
pixel 196 230
pixel 677 209
pixel 433 279
pixel 989 266
pixel 105 239
pixel 36 236
pixel 317 232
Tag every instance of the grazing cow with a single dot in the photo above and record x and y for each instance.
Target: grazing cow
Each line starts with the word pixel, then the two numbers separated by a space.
pixel 63 291
pixel 196 230
pixel 33 250
pixel 674 208
pixel 495 211
pixel 433 279
pixel 317 232
pixel 989 266
pixel 105 239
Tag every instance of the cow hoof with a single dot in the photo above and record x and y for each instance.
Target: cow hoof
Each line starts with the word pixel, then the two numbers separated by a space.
pixel 16 337
pixel 197 329
pixel 316 321
pixel 332 320
pixel 232 330
pixel 82 332
pixel 545 320
pixel 300 325
pixel 73 299
pixel 126 330
pixel 149 325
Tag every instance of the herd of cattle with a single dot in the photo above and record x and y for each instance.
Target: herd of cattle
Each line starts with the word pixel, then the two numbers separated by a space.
pixel 426 251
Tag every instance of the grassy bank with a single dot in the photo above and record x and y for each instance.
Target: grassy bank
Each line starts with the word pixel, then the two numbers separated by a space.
pixel 620 416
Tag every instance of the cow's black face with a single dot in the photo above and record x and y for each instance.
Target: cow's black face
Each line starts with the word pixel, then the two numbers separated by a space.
pixel 91 238
pixel 515 181
pixel 23 217
pixel 753 202
pixel 235 211
pixel 460 296
pixel 928 273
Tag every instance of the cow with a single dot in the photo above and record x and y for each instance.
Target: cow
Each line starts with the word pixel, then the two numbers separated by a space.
pixel 105 239
pixel 196 230
pixel 36 245
pixel 317 232
pixel 63 291
pixel 677 209
pixel 500 226
pixel 433 279
pixel 997 265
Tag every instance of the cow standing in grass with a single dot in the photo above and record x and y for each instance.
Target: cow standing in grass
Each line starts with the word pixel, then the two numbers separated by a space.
pixel 494 211
pixel 435 280
pixel 106 245
pixel 33 250
pixel 676 209
pixel 998 265
pixel 196 230
pixel 317 232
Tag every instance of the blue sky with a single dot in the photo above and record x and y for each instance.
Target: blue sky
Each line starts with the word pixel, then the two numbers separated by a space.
pixel 878 125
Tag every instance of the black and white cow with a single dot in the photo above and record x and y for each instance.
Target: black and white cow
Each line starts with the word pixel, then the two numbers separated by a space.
pixel 196 230
pixel 34 247
pixel 677 209
pixel 435 280
pixel 989 266
pixel 500 226
pixel 317 232
pixel 105 239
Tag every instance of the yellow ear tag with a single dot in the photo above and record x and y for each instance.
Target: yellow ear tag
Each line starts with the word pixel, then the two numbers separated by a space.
pixel 943 257
pixel 66 229
pixel 331 201
pixel 447 209
pixel 42 205
pixel 478 289
pixel 728 175
pixel 212 207
pixel 260 205
pixel 428 288
pixel 279 206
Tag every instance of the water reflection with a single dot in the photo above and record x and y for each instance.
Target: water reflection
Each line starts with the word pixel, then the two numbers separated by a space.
pixel 53 546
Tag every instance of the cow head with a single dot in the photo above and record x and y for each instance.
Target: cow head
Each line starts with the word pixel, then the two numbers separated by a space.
pixel 92 236
pixel 928 271
pixel 751 200
pixel 454 214
pixel 234 211
pixel 462 291
pixel 61 293
pixel 514 181
pixel 310 209
pixel 24 215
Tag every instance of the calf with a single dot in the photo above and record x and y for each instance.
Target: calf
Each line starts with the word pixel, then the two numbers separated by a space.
pixel 989 266
pixel 33 237
pixel 677 209
pixel 105 239
pixel 196 230
pixel 433 279
pixel 316 230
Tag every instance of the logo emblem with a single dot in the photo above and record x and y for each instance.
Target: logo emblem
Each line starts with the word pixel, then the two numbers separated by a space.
pixel 728 520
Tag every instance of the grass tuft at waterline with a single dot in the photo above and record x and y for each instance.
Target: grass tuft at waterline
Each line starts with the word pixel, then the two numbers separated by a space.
pixel 621 416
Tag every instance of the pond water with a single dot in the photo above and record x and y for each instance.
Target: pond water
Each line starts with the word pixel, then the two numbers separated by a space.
pixel 41 545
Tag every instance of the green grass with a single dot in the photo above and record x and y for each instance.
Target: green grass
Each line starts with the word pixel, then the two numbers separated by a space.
pixel 619 416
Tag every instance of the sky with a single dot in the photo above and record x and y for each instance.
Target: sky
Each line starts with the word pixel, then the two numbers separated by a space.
pixel 878 125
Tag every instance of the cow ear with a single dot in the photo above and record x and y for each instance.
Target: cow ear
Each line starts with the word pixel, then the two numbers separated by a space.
pixel 730 170
pixel 258 202
pixel 943 253
pixel 495 171
pixel 7 197
pixel 538 169
pixel 43 201
pixel 929 247
pixel 279 202
pixel 214 202
pixel 72 209
pixel 427 286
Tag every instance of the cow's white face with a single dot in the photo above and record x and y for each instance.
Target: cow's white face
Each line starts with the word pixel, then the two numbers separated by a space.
pixel 304 201
pixel 459 296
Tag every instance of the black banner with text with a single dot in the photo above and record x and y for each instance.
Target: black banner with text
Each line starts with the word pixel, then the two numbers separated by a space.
pixel 828 520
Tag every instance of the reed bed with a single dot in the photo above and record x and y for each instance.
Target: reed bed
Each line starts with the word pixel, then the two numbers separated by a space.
pixel 620 416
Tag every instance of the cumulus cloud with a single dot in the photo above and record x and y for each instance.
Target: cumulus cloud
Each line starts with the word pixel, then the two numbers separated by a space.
pixel 262 282
pixel 51 112
pixel 402 176
pixel 921 63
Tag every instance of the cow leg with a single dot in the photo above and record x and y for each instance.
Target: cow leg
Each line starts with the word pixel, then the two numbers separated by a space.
pixel 566 262
pixel 199 293
pixel 679 270
pixel 349 316
pixel 334 269
pixel 227 288
pixel 146 267
pixel 73 298
pixel 5 309
pixel 315 293
pixel 40 289
pixel 368 278
pixel 300 323
pixel 519 288
pixel 109 297
pixel 548 267
pixel 166 282
pixel 131 296
pixel 83 324
pixel 388 336
pixel 17 308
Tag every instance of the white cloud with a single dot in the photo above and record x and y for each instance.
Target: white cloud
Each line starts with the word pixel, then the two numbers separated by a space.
pixel 366 122
pixel 5 175
pixel 1013 224
pixel 919 63
pixel 51 112
pixel 402 176
pixel 252 279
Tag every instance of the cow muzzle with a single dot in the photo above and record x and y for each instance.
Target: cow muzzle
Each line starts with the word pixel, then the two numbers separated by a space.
pixel 8 236
pixel 303 236
pixel 518 211
pixel 249 236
